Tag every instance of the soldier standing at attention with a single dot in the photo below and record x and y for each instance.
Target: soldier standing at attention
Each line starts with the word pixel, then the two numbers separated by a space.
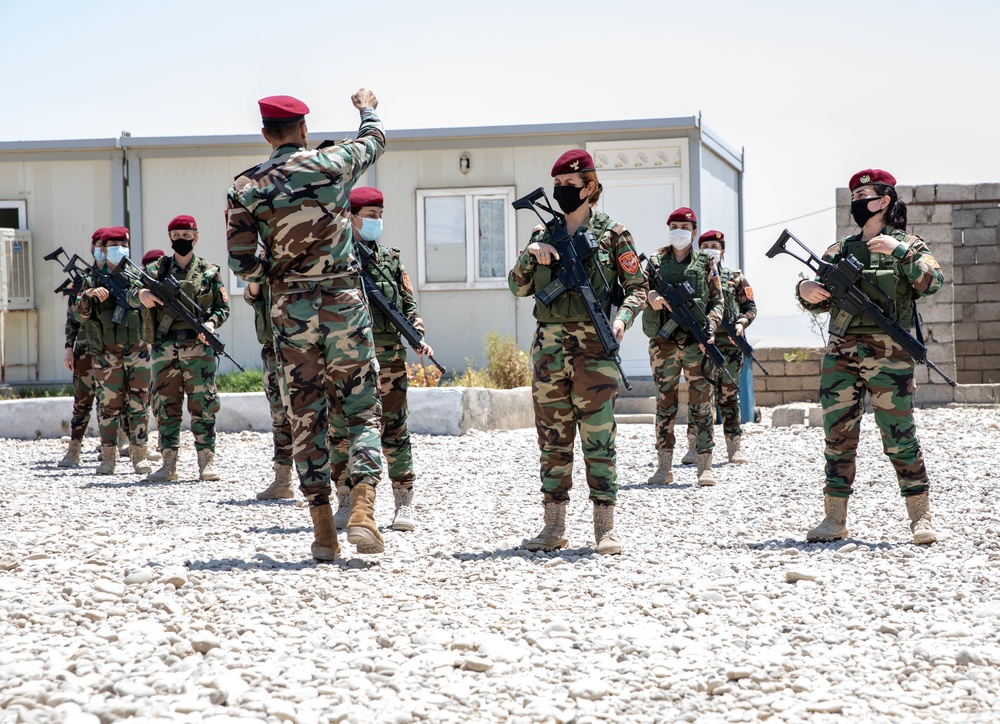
pixel 389 275
pixel 676 263
pixel 183 363
pixel 121 361
pixel 258 296
pixel 739 309
pixel 297 203
pixel 860 357
pixel 574 384
pixel 79 361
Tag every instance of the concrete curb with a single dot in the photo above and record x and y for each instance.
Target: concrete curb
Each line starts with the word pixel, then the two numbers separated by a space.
pixel 433 411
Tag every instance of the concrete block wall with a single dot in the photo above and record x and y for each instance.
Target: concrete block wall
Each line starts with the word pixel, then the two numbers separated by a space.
pixel 793 376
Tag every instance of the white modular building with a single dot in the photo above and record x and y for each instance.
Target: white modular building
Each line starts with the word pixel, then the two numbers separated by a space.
pixel 448 195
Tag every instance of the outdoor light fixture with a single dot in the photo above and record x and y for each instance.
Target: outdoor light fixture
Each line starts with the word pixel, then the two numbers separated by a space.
pixel 464 162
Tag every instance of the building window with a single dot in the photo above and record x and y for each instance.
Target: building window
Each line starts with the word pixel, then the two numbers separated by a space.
pixel 13 216
pixel 466 238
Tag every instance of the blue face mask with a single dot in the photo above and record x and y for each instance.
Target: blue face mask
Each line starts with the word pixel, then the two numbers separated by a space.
pixel 371 229
pixel 116 254
pixel 99 256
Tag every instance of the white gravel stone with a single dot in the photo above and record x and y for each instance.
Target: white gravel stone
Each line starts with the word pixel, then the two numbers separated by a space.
pixel 591 689
pixel 143 575
pixel 801 574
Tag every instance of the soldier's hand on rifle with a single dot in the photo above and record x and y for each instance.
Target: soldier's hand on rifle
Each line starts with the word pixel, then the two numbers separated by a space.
pixel 711 340
pixel 364 98
pixel 148 299
pixel 813 292
pixel 68 359
pixel 543 253
pixel 618 328
pixel 211 328
pixel 883 244
pixel 657 302
pixel 739 329
pixel 100 292
pixel 424 349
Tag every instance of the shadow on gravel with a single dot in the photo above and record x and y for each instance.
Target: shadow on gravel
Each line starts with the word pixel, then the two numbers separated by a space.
pixel 279 530
pixel 264 562
pixel 775 544
pixel 140 484
pixel 253 501
pixel 657 486
pixel 541 557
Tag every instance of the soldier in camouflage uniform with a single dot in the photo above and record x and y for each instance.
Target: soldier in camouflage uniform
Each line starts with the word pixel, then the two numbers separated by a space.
pixel 389 275
pixel 121 361
pixel 297 205
pixel 574 384
pixel 739 310
pixel 183 363
pixel 79 361
pixel 676 263
pixel 861 358
pixel 258 296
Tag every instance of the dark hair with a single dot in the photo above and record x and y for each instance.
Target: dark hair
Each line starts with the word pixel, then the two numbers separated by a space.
pixel 895 212
pixel 279 130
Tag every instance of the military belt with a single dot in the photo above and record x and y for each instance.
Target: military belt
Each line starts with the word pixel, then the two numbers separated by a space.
pixel 179 335
pixel 352 281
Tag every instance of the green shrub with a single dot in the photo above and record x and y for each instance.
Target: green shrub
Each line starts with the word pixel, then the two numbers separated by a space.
pixel 249 381
pixel 507 366
pixel 44 391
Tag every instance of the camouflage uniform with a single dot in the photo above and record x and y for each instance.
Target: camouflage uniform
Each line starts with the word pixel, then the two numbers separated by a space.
pixel 860 357
pixel 390 276
pixel 574 384
pixel 280 427
pixel 681 353
pixel 83 373
pixel 297 204
pixel 121 368
pixel 183 365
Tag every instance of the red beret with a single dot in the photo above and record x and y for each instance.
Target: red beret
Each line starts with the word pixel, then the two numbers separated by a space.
pixel 151 255
pixel 182 222
pixel 683 214
pixel 99 234
pixel 712 235
pixel 871 176
pixel 573 161
pixel 115 233
pixel 281 108
pixel 366 196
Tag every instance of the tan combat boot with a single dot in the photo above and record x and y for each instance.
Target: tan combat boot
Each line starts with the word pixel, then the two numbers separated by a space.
pixel 343 513
pixel 691 456
pixel 72 457
pixel 109 456
pixel 281 486
pixel 553 535
pixel 123 444
pixel 167 471
pixel 664 474
pixel 206 465
pixel 705 474
pixel 834 525
pixel 604 530
pixel 919 509
pixel 403 518
pixel 733 450
pixel 362 532
pixel 325 546
pixel 137 454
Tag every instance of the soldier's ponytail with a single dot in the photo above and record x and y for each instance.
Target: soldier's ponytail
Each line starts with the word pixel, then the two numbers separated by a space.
pixel 895 213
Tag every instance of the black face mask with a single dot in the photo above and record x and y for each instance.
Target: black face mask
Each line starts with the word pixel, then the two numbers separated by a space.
pixel 182 246
pixel 860 211
pixel 568 198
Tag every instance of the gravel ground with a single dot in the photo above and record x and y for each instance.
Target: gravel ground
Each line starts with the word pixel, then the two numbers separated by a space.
pixel 190 601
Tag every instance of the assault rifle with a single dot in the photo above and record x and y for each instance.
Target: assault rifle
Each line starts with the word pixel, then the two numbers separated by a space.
pixel 570 274
pixel 683 306
pixel 78 269
pixel 382 303
pixel 741 342
pixel 844 280
pixel 176 304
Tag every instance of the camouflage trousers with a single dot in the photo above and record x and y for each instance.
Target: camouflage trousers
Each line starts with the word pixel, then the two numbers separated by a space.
pixel 574 385
pixel 122 379
pixel 83 394
pixel 729 399
pixel 185 368
pixel 323 340
pixel 874 363
pixel 668 359
pixel 393 384
pixel 281 428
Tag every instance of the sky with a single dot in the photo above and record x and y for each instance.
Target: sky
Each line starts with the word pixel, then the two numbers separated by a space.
pixel 812 91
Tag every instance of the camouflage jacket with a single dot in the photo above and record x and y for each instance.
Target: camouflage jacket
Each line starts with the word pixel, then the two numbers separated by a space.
pixel 75 337
pixel 616 255
pixel 700 271
pixel 738 304
pixel 200 280
pixel 297 205
pixel 96 318
pixel 910 272
pixel 390 276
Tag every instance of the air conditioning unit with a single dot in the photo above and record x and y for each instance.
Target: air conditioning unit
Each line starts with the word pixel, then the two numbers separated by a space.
pixel 17 288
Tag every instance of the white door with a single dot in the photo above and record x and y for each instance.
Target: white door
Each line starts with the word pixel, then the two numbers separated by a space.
pixel 641 204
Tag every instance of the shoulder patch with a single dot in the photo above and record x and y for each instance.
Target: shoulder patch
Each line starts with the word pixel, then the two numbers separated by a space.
pixel 406 283
pixel 225 294
pixel 629 262
pixel 932 261
pixel 749 292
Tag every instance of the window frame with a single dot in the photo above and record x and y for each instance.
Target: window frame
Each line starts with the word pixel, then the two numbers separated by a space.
pixel 21 206
pixel 473 281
